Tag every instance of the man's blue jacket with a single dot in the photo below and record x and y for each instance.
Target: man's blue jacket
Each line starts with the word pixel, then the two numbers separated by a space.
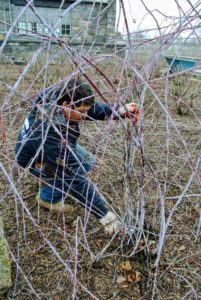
pixel 41 140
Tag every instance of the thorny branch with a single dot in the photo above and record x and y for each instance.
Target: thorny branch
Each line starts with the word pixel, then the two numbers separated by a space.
pixel 149 173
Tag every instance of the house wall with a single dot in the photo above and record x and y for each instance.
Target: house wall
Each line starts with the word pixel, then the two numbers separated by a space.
pixel 91 26
pixel 4 17
pixel 88 22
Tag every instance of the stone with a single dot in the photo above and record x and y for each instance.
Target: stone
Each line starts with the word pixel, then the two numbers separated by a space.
pixel 5 264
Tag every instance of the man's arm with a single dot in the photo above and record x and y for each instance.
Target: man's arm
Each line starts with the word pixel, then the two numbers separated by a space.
pixel 99 111
pixel 102 111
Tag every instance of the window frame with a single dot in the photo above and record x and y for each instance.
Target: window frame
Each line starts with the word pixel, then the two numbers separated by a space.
pixel 65 30
pixel 20 28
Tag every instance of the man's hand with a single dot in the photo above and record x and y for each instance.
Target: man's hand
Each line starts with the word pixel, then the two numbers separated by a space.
pixel 110 223
pixel 130 111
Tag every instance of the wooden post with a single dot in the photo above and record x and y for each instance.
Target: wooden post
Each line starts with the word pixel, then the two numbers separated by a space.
pixel 5 264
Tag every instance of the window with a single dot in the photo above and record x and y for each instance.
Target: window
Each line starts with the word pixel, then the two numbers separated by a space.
pixel 31 28
pixel 40 28
pixel 34 27
pixel 21 26
pixel 65 29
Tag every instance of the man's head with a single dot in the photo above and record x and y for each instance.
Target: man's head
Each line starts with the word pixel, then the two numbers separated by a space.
pixel 75 100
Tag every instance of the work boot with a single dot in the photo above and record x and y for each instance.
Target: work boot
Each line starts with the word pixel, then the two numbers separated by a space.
pixel 55 207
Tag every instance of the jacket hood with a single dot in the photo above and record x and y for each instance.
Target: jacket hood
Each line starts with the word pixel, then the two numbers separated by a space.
pixel 45 106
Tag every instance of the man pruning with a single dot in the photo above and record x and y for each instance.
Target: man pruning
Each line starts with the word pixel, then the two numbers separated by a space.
pixel 48 145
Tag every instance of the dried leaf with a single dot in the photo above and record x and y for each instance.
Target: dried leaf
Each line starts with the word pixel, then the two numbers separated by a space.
pixel 182 248
pixel 198 210
pixel 142 244
pixel 98 242
pixel 36 254
pixel 130 278
pixel 134 277
pixel 137 276
pixel 110 263
pixel 57 297
pixel 121 279
pixel 126 265
pixel 124 286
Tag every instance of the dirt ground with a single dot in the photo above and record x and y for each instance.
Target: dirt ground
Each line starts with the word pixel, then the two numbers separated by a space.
pixel 58 257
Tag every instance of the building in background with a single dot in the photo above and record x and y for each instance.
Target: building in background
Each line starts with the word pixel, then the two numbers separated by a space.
pixel 92 21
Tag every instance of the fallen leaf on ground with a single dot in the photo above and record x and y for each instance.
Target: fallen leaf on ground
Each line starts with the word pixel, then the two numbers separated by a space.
pixel 134 277
pixel 98 242
pixel 121 279
pixel 126 265
pixel 124 286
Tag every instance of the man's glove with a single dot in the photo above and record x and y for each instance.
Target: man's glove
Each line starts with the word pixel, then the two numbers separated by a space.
pixel 129 110
pixel 110 223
